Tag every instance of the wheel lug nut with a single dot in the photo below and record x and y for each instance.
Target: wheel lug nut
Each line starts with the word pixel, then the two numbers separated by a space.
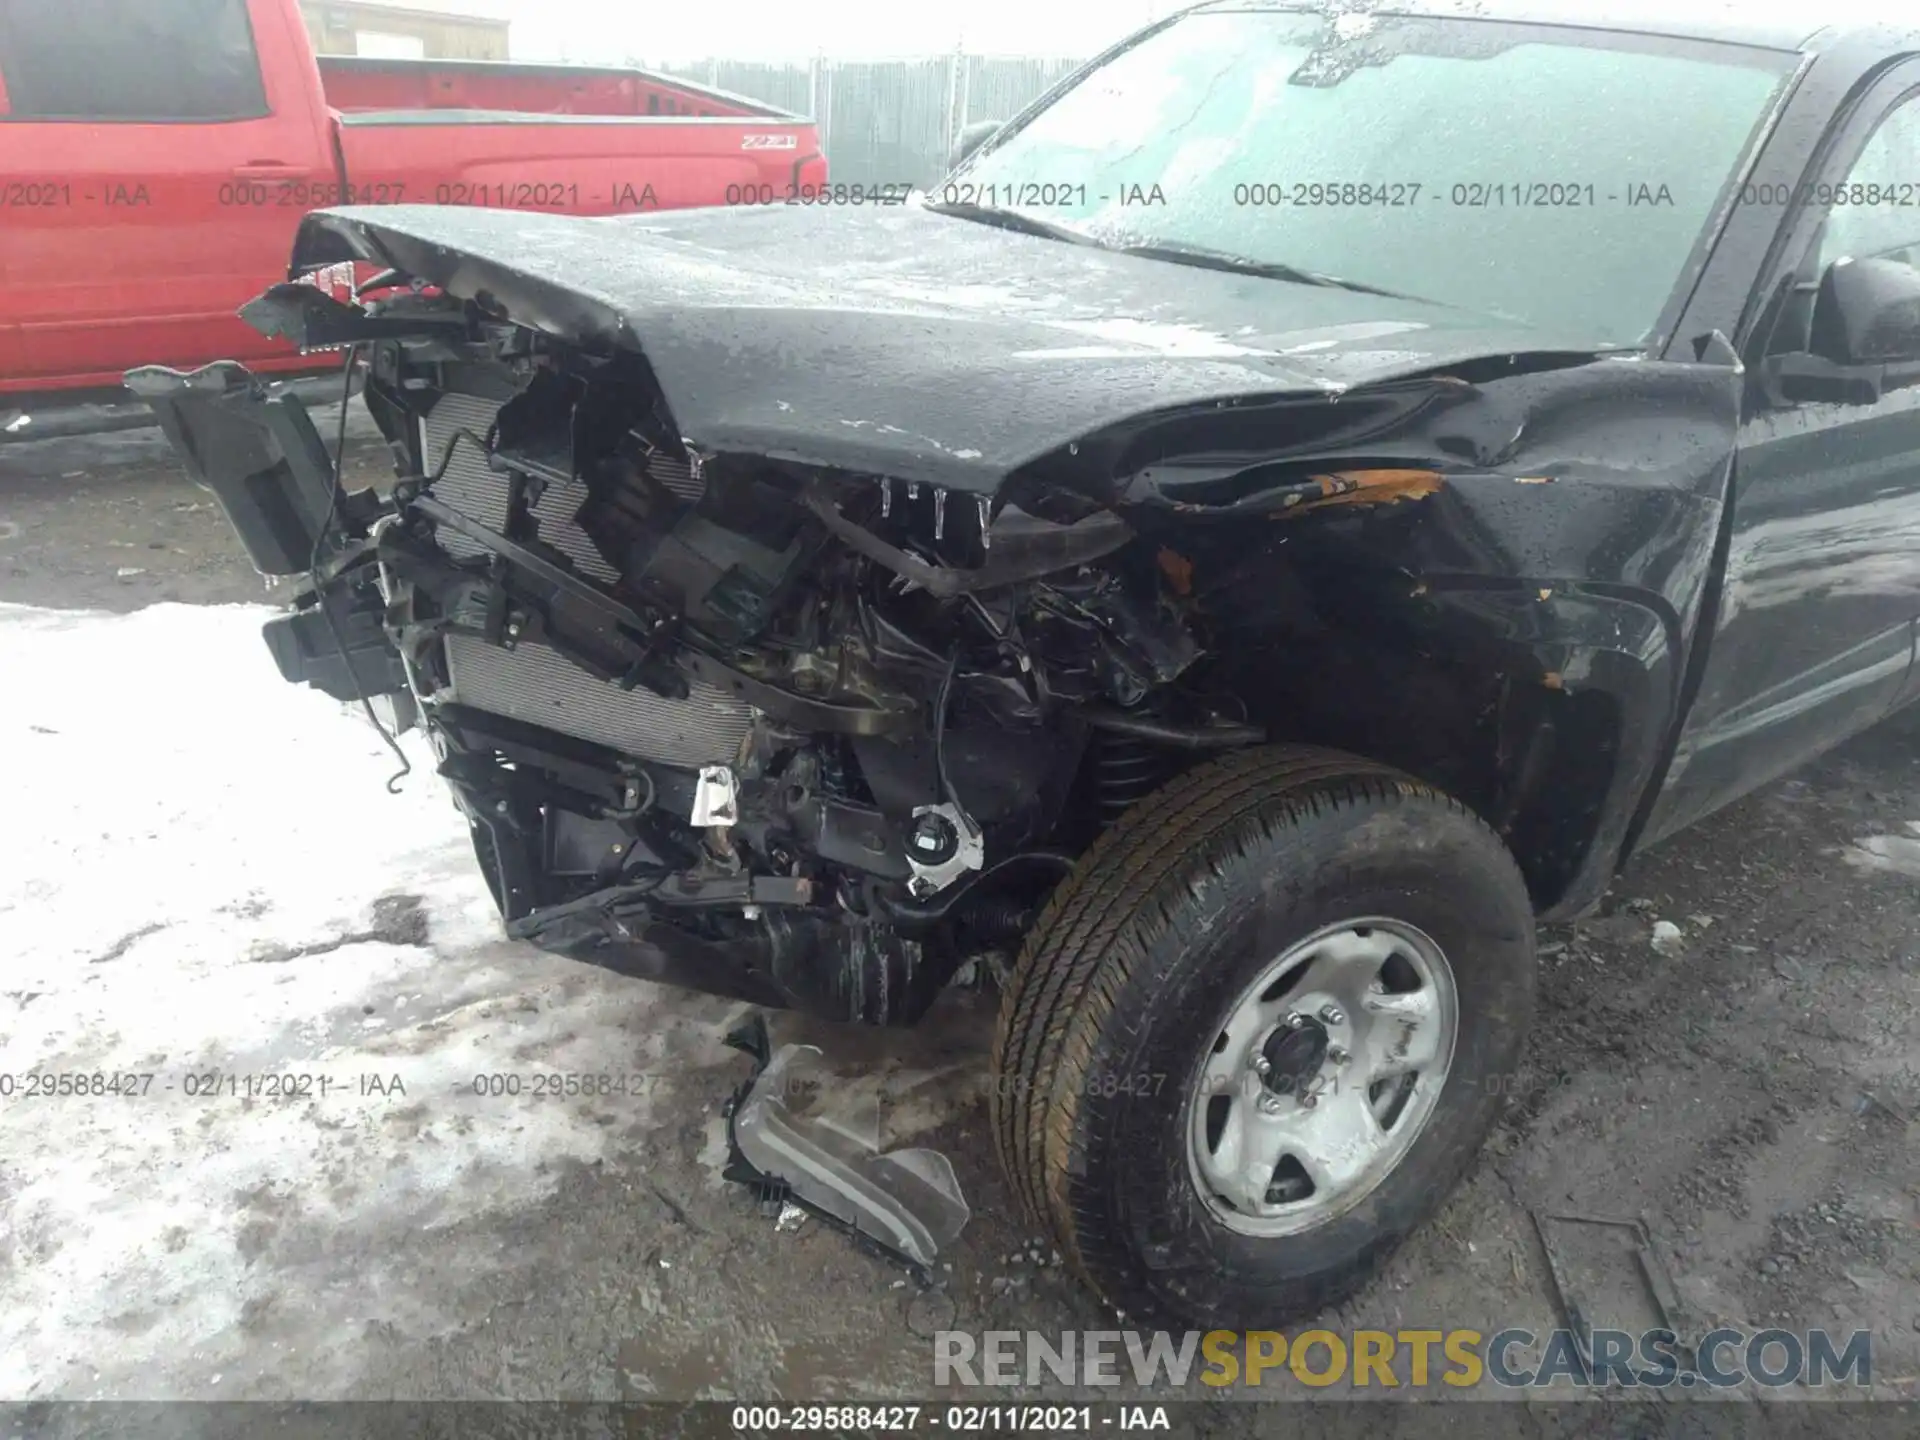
pixel 1333 1015
pixel 1260 1064
pixel 1337 1055
pixel 1269 1104
pixel 1296 1021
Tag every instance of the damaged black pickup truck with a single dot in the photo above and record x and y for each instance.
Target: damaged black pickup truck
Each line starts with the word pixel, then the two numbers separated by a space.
pixel 1308 497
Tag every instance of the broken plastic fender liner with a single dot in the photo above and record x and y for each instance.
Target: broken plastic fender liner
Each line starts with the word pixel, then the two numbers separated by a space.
pixel 907 1203
pixel 1365 487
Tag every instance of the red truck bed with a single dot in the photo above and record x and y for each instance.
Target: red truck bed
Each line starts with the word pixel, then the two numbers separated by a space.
pixel 152 171
pixel 353 83
pixel 610 139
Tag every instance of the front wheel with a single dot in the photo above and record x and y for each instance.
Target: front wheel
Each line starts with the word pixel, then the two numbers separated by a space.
pixel 1259 1034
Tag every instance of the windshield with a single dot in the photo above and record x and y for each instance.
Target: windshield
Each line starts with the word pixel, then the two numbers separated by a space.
pixel 1553 177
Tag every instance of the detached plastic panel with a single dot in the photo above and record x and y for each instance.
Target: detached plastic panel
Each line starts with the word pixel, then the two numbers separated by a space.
pixel 908 1201
pixel 256 449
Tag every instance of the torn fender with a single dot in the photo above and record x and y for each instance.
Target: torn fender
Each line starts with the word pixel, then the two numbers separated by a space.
pixel 1558 524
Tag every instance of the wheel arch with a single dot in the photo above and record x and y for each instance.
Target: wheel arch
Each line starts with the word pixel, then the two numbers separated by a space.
pixel 1542 707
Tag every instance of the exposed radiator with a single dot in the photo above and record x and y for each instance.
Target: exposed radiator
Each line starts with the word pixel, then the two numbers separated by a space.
pixel 477 492
pixel 533 683
pixel 536 685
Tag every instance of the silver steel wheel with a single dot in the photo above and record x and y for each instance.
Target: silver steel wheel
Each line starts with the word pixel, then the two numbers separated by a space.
pixel 1325 1071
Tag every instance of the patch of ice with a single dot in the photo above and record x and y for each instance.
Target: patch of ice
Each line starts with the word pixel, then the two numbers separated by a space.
pixel 1889 854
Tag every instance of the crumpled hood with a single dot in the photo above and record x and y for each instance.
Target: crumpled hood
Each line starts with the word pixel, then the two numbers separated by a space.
pixel 903 342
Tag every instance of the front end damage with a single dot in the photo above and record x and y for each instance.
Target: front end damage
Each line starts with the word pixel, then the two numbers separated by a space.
pixel 781 726
pixel 799 737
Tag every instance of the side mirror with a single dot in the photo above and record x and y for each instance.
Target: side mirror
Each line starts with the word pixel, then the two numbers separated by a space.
pixel 971 139
pixel 1863 338
pixel 1867 312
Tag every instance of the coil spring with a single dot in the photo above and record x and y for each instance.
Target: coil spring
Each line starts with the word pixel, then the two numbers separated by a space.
pixel 997 919
pixel 1125 770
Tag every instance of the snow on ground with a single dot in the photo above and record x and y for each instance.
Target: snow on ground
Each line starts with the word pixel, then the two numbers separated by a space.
pixel 188 839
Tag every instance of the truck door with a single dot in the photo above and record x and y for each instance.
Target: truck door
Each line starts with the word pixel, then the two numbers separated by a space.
pixel 154 171
pixel 1815 632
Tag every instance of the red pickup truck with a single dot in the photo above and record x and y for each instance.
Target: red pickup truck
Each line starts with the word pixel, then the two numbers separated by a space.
pixel 156 157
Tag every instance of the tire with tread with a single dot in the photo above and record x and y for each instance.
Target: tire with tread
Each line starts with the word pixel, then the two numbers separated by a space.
pixel 1139 952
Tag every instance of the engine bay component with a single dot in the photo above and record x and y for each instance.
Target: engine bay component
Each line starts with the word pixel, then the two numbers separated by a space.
pixel 536 684
pixel 943 845
pixel 716 799
pixel 1029 548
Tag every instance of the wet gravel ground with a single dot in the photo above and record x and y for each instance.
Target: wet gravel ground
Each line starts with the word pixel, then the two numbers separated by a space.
pixel 111 523
pixel 1751 1087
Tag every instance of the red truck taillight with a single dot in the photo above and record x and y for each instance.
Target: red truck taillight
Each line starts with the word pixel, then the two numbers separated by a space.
pixel 809 173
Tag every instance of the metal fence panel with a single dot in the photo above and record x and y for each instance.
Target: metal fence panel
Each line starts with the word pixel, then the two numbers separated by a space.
pixel 889 122
pixel 788 86
pixel 997 89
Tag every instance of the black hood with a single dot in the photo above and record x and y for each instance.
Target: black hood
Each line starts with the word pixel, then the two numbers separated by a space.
pixel 903 342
